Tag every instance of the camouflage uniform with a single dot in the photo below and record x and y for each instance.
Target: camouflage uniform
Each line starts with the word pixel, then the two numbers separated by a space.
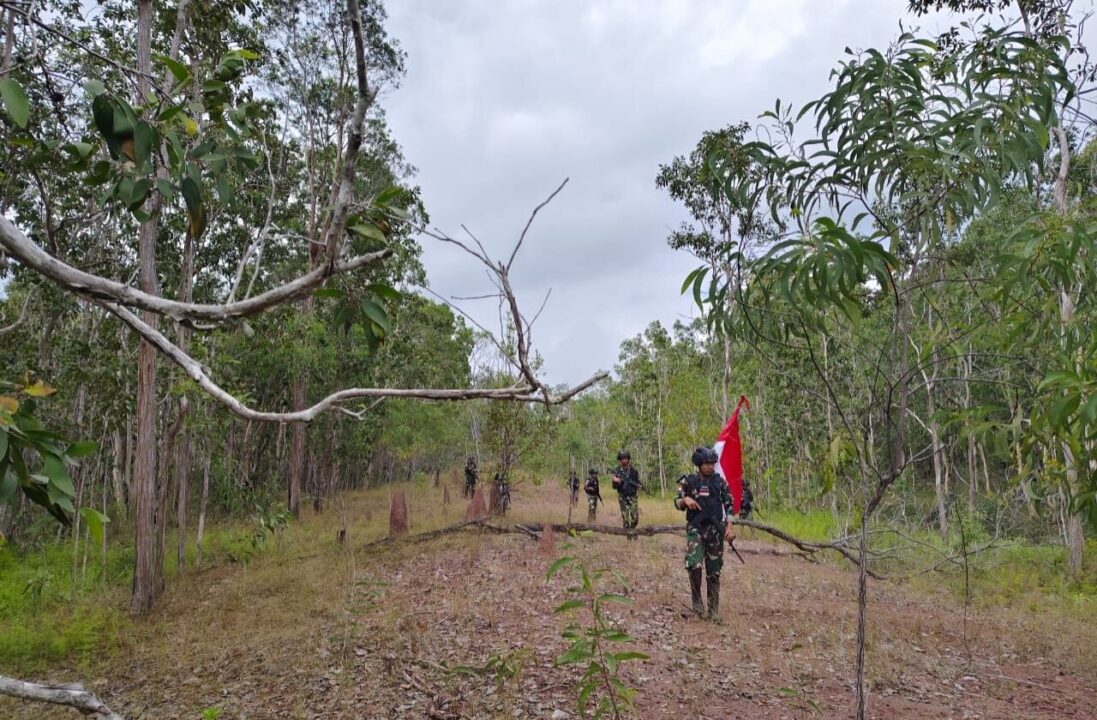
pixel 470 477
pixel 573 487
pixel 500 496
pixel 626 481
pixel 705 534
pixel 594 494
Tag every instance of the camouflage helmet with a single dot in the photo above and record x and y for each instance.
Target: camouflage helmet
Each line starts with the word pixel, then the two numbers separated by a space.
pixel 592 472
pixel 703 455
pixel 623 454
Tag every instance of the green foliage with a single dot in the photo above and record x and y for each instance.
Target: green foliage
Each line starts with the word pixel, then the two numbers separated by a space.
pixel 35 460
pixel 1033 578
pixel 810 525
pixel 1047 263
pixel 504 668
pixel 914 147
pixel 270 521
pixel 15 101
pixel 49 612
pixel 601 690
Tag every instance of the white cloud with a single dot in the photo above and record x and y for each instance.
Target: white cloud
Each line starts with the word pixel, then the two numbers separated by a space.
pixel 505 98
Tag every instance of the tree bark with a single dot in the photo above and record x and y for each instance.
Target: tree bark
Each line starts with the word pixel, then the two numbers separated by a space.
pixel 1076 534
pixel 939 480
pixel 144 572
pixel 296 452
pixel 185 449
pixel 202 511
pixel 117 471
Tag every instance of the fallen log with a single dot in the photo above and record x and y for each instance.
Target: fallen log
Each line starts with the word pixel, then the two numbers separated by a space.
pixel 807 548
pixel 73 695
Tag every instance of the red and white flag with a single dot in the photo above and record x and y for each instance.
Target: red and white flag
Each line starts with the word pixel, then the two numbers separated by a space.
pixel 729 455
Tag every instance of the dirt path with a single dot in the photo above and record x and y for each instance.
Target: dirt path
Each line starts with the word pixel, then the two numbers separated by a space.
pixel 378 635
pixel 785 650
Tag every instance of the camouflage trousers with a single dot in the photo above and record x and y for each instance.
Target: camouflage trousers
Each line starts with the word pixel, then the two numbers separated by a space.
pixel 707 546
pixel 630 510
pixel 592 507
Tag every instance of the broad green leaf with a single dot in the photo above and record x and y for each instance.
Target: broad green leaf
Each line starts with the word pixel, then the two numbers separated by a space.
pixel 196 209
pixel 94 88
pixel 377 314
pixel 80 150
pixel 329 292
pixel 95 520
pixel 631 655
pixel 388 195
pixel 385 291
pixel 15 101
pixel 81 449
pixel 569 605
pixel 576 653
pixel 557 565
pixel 165 188
pixel 8 484
pixel 144 137
pixel 584 696
pixel 59 477
pixel 1090 411
pixel 373 340
pixel 615 597
pixel 180 71
pixel 369 230
pixel 1063 409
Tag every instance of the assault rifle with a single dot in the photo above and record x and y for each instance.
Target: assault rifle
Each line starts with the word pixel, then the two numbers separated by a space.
pixel 619 472
pixel 705 519
pixel 731 545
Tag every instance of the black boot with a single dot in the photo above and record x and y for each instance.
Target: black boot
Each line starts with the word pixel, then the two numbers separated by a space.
pixel 695 590
pixel 714 599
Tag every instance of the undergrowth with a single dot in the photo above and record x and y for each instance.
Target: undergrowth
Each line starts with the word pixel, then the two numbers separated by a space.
pixel 53 612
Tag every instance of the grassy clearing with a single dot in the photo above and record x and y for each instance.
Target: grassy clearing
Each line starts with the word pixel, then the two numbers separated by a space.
pixel 51 616
pixel 1033 578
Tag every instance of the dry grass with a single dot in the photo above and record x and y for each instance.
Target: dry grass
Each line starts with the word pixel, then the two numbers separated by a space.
pixel 312 628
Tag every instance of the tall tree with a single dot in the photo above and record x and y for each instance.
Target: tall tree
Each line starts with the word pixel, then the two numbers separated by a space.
pixel 914 145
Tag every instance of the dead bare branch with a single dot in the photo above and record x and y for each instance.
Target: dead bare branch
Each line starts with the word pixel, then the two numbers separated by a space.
pixel 807 548
pixel 95 287
pixel 122 300
pixel 198 373
pixel 23 314
pixel 529 222
pixel 74 696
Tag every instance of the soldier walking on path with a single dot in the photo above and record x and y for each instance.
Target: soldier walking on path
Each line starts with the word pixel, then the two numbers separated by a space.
pixel 573 487
pixel 594 495
pixel 626 481
pixel 470 477
pixel 707 502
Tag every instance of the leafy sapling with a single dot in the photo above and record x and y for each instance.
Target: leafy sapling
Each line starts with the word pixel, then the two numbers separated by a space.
pixel 602 693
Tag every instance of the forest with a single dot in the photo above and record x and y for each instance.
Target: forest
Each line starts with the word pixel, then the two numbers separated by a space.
pixel 235 418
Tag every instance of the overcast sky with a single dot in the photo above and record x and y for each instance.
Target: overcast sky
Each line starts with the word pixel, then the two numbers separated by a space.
pixel 503 99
